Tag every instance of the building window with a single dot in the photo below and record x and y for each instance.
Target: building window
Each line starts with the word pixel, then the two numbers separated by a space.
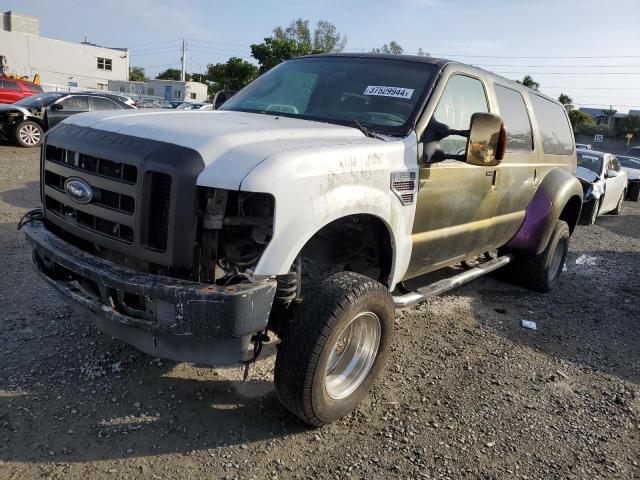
pixel 176 94
pixel 104 64
pixel 151 91
pixel 121 88
pixel 192 96
pixel 103 86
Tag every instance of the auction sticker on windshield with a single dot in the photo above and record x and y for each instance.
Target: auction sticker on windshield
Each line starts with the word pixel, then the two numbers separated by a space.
pixel 380 91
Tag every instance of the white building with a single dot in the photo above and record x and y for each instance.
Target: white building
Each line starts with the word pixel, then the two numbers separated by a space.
pixel 170 90
pixel 65 64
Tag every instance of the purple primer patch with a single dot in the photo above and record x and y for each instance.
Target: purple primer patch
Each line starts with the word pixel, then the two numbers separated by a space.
pixel 536 218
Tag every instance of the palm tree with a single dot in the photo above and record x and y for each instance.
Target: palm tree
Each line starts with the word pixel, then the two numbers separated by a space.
pixel 566 100
pixel 609 114
pixel 528 81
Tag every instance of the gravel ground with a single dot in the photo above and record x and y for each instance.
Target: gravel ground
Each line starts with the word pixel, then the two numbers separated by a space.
pixel 468 391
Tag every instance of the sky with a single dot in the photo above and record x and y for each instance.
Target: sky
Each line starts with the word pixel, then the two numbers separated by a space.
pixel 588 49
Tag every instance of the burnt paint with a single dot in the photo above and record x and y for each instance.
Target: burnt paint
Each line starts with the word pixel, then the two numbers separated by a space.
pixel 537 218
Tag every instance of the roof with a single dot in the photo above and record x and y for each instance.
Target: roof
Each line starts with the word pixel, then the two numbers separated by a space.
pixel 593 153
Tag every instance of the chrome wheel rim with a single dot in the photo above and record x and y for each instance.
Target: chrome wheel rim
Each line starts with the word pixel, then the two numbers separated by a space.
pixel 352 355
pixel 30 135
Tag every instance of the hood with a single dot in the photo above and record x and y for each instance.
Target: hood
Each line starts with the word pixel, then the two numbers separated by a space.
pixel 10 107
pixel 586 175
pixel 231 144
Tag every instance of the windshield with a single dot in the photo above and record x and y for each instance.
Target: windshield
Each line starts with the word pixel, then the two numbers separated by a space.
pixel 629 162
pixel 37 101
pixel 590 162
pixel 382 94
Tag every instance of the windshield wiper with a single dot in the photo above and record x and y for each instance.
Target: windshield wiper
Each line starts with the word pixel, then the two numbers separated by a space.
pixel 367 133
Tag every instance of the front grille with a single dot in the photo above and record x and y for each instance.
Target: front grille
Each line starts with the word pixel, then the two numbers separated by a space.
pixel 99 166
pixel 160 194
pixel 115 210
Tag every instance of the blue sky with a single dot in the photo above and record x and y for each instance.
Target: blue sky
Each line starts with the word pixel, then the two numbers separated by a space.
pixel 216 30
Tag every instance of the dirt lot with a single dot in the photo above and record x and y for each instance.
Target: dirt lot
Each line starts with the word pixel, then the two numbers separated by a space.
pixel 468 392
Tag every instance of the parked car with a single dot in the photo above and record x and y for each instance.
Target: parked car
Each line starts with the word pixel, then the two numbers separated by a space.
pixel 631 165
pixel 633 152
pixel 25 121
pixel 121 98
pixel 307 209
pixel 583 146
pixel 604 184
pixel 196 106
pixel 13 90
pixel 222 96
pixel 172 105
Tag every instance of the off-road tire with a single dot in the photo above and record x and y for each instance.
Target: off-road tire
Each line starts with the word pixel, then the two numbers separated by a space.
pixel 542 272
pixel 618 209
pixel 304 353
pixel 28 134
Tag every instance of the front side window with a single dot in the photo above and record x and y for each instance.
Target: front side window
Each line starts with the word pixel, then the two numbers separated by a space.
pixel 462 97
pixel 34 88
pixel 516 119
pixel 384 95
pixel 104 64
pixel 557 138
pixel 75 104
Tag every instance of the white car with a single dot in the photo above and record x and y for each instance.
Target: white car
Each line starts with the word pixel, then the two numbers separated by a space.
pixel 604 184
pixel 631 165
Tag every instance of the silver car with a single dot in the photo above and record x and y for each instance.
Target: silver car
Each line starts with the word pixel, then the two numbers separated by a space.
pixel 604 183
pixel 631 165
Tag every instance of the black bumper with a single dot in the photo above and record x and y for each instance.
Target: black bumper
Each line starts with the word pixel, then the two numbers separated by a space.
pixel 162 316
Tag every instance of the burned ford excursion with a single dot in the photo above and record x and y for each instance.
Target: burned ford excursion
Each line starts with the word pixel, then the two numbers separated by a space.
pixel 328 192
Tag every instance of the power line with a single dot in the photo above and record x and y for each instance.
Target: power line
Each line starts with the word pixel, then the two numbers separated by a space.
pixel 154 43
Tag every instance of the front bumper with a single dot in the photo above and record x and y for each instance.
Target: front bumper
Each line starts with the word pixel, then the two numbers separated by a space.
pixel 166 317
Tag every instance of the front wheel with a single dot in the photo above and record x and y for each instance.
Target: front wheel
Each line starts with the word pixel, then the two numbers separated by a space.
pixel 28 134
pixel 336 348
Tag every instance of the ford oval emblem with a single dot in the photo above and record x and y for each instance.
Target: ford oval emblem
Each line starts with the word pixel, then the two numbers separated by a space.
pixel 78 190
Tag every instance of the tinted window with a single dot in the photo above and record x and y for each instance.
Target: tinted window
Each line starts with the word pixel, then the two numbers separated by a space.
pixel 100 103
pixel 462 97
pixel 516 119
pixel 382 94
pixel 34 88
pixel 554 126
pixel 10 85
pixel 75 104
pixel 629 162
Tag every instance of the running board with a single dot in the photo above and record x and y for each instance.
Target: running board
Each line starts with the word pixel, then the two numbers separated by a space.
pixel 441 286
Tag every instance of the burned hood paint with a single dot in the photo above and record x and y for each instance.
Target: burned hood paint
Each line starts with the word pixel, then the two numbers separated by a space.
pixel 231 144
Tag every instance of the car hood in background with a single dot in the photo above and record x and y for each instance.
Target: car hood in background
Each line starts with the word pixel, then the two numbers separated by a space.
pixel 10 107
pixel 231 144
pixel 586 175
pixel 634 173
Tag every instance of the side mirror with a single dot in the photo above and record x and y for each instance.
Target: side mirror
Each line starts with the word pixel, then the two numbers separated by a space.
pixel 485 146
pixel 487 140
pixel 611 174
pixel 56 107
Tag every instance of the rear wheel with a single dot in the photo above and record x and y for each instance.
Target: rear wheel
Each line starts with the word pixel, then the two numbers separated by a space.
pixel 336 348
pixel 542 272
pixel 28 134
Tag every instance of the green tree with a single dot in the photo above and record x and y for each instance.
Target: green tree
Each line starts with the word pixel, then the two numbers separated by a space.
pixel 232 75
pixel 325 37
pixel 393 48
pixel 528 81
pixel 578 118
pixel 172 74
pixel 276 50
pixel 628 124
pixel 422 53
pixel 136 74
pixel 566 100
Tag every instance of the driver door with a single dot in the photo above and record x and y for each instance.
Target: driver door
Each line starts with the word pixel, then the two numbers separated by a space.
pixel 456 201
pixel 66 107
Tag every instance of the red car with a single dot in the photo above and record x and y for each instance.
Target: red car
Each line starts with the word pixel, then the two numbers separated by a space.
pixel 13 90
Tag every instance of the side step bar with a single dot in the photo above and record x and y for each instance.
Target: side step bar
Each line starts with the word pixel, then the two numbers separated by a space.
pixel 441 286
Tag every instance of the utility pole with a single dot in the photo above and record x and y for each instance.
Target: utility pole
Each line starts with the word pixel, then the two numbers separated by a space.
pixel 184 61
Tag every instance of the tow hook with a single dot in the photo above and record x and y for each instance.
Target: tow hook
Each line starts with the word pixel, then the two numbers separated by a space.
pixel 258 339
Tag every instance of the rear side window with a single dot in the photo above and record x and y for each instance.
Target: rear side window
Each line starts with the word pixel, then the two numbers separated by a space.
pixel 10 85
pixel 554 126
pixel 516 119
pixel 100 103
pixel 34 88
